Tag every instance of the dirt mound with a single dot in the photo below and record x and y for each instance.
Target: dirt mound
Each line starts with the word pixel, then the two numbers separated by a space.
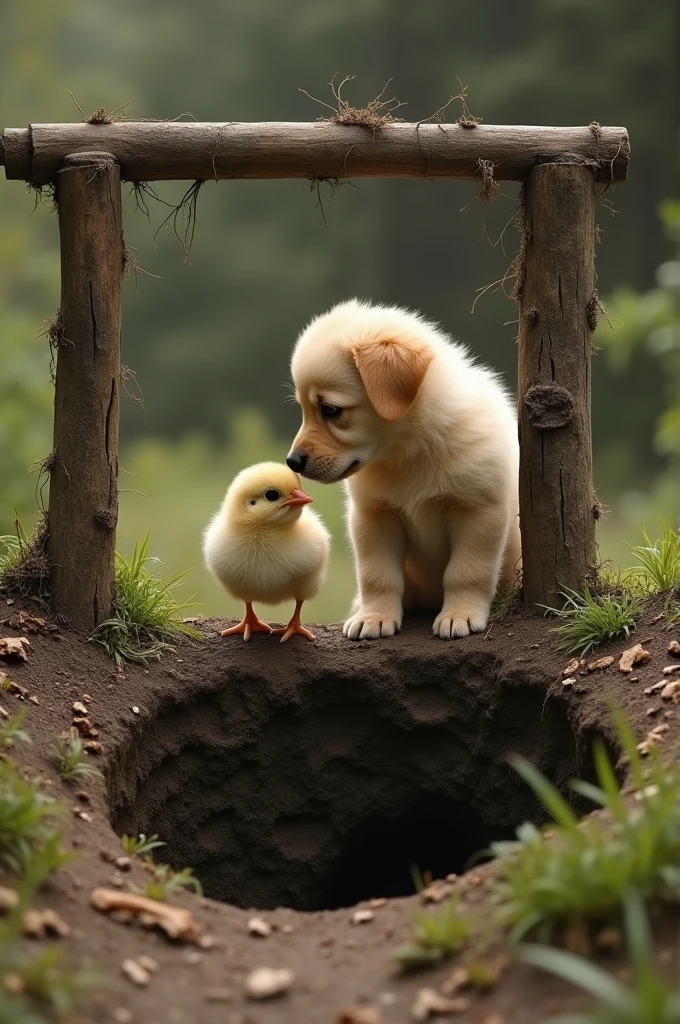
pixel 308 777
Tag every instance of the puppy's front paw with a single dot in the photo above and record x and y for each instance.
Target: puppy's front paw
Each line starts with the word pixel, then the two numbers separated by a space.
pixel 460 620
pixel 370 626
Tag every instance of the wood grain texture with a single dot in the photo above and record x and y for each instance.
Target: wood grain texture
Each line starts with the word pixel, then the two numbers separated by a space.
pixel 556 307
pixel 155 150
pixel 84 477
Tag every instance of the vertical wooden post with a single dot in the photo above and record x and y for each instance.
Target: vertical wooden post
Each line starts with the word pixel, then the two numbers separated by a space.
pixel 83 487
pixel 557 313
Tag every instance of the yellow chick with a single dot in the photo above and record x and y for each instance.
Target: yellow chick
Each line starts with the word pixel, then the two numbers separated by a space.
pixel 264 545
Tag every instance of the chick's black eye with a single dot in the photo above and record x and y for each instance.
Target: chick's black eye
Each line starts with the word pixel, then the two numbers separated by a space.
pixel 330 412
pixel 272 495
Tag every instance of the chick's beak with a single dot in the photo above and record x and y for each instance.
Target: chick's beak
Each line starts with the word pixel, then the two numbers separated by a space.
pixel 297 497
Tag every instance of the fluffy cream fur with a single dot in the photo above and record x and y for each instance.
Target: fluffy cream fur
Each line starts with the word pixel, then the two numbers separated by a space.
pixel 427 442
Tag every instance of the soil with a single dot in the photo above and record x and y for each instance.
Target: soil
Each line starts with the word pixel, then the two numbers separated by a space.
pixel 309 778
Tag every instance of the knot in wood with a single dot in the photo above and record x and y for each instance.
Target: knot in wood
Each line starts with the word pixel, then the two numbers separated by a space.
pixel 106 518
pixel 549 406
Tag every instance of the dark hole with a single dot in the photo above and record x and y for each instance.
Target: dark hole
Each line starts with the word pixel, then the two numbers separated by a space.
pixel 379 857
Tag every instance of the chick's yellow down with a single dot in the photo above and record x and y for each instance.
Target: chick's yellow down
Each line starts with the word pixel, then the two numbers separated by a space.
pixel 265 545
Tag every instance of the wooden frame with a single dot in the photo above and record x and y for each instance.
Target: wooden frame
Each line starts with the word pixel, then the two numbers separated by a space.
pixel 556 292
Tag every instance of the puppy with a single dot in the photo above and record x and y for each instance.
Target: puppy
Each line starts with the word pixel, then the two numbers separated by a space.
pixel 427 442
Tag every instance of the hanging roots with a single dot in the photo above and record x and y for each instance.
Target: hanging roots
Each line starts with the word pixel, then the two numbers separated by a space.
pixel 516 271
pixel 333 184
pixel 43 194
pixel 374 115
pixel 187 207
pixel 53 330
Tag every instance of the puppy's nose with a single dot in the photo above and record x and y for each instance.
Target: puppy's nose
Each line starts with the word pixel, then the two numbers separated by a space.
pixel 296 462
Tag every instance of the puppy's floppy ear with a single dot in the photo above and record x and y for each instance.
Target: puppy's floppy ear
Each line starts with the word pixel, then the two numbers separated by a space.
pixel 392 373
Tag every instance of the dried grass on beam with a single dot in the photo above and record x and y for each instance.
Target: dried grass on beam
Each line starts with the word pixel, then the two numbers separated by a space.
pixel 375 115
pixel 465 120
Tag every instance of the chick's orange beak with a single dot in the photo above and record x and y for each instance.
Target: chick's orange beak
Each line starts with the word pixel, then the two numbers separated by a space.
pixel 297 497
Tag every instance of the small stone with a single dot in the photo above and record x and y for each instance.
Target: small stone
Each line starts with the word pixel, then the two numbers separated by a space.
pixel 435 892
pixel 218 995
pixel 148 963
pixel 193 957
pixel 93 746
pixel 287 929
pixel 377 903
pixel 258 926
pixel 268 982
pixel 14 647
pixel 135 973
pixel 636 655
pixel 79 708
pixel 116 880
pixel 135 710
pixel 650 712
pixel 429 1003
pixel 362 916
pixel 568 682
pixel 78 812
pixel 87 698
pixel 8 899
pixel 654 689
pixel 207 941
pixel 671 691
pixel 674 649
pixel 671 670
pixel 121 1015
pixel 600 664
pixel 34 700
pixel 359 1015
pixel 123 863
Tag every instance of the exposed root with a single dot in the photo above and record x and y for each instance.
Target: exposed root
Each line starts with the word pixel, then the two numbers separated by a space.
pixel 131 264
pixel 44 468
pixel 516 271
pixel 132 390
pixel 53 330
pixel 188 208
pixel 43 194
pixel 25 571
pixel 333 184
pixel 375 115
pixel 466 119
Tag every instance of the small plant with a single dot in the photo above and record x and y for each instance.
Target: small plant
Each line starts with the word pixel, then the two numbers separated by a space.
pixel 505 600
pixel 12 732
pixel 658 567
pixel 649 1000
pixel 24 565
pixel 27 820
pixel 583 870
pixel 435 935
pixel 42 985
pixel 71 759
pixel 589 619
pixel 140 846
pixel 164 882
pixel 147 616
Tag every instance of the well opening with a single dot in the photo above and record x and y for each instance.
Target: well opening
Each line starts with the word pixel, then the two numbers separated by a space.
pixel 320 793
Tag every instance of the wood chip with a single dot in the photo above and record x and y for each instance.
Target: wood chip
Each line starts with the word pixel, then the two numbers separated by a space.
pixel 359 1015
pixel 671 691
pixel 636 655
pixel 86 728
pixel 429 1003
pixel 435 892
pixel 571 668
pixel 8 899
pixel 93 746
pixel 268 982
pixel 176 922
pixel 671 670
pixel 79 708
pixel 135 973
pixel 377 904
pixel 12 687
pixel 600 664
pixel 674 648
pixel 258 926
pixel 655 688
pixel 362 916
pixel 655 736
pixel 14 648
pixel 39 923
pixel 568 682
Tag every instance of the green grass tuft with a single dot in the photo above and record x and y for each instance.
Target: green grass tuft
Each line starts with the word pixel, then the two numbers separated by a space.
pixel 649 1001
pixel 71 758
pixel 24 565
pixel 147 617
pixel 658 562
pixel 584 869
pixel 505 600
pixel 164 882
pixel 12 731
pixel 589 619
pixel 27 820
pixel 435 935
pixel 140 846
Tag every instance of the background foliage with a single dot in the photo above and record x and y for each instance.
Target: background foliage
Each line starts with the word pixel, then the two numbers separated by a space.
pixel 210 339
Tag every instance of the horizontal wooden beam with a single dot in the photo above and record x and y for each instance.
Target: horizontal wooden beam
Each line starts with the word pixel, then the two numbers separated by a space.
pixel 163 150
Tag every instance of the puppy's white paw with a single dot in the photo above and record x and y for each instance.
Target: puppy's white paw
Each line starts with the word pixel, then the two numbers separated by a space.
pixel 453 623
pixel 370 626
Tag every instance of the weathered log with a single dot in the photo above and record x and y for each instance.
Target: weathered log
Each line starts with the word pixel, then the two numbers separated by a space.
pixel 83 488
pixel 557 311
pixel 155 150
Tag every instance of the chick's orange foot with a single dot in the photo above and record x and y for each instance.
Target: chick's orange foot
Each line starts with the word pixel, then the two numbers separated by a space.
pixel 250 624
pixel 294 626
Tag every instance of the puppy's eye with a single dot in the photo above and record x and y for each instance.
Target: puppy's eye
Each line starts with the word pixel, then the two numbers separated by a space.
pixel 272 495
pixel 330 412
